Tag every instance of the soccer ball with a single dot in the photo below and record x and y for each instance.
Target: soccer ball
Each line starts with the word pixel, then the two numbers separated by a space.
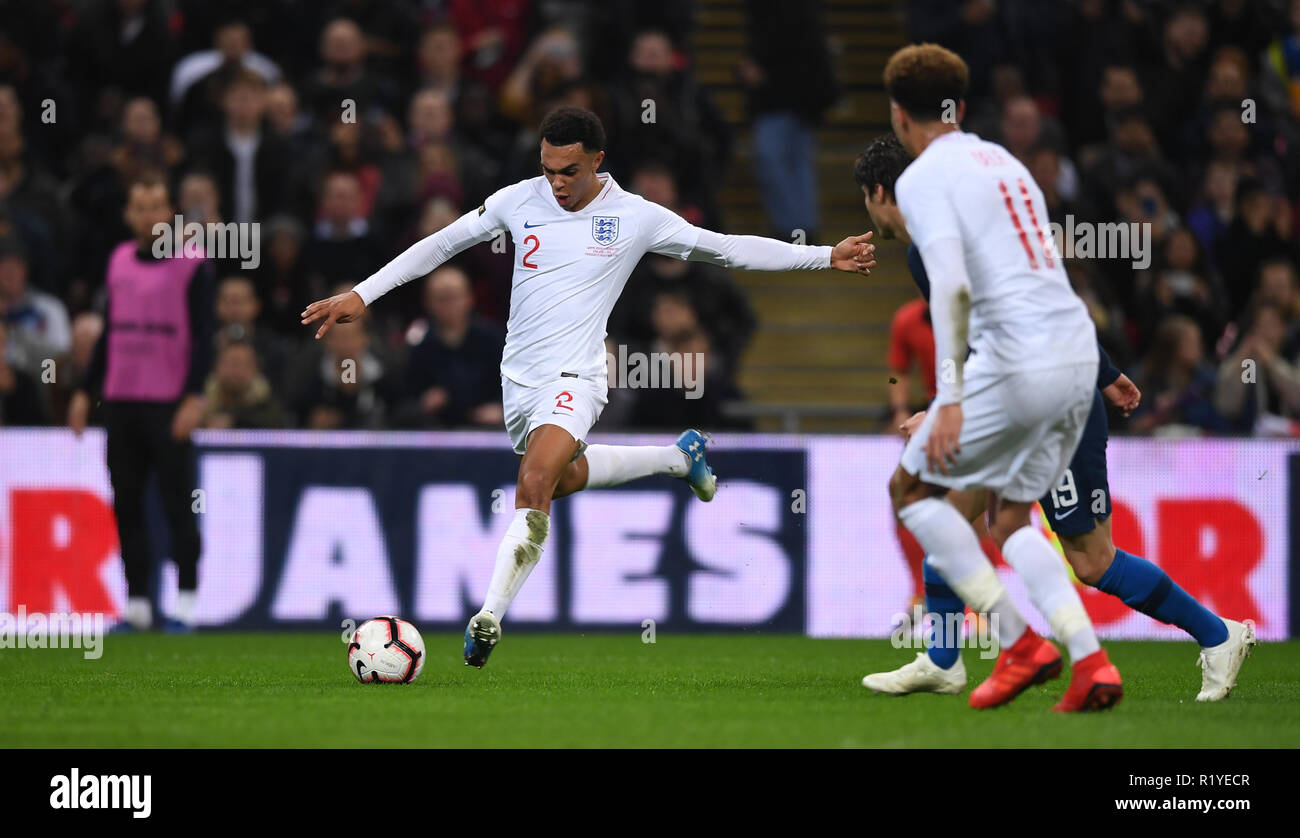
pixel 386 650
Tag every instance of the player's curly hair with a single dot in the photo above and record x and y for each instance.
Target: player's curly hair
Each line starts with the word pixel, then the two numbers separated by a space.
pixel 921 78
pixel 880 164
pixel 568 125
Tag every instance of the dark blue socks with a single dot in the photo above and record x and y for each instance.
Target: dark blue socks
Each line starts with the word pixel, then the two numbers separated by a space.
pixel 943 602
pixel 1146 588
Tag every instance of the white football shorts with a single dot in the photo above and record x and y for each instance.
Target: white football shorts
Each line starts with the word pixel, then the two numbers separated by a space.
pixel 572 403
pixel 1019 430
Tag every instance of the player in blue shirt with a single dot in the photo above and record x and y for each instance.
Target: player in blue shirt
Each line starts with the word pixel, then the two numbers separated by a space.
pixel 1078 510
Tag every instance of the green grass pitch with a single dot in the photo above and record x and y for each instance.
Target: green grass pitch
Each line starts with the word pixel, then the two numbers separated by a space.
pixel 604 690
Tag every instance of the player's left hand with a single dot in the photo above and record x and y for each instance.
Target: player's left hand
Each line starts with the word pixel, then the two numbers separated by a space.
pixel 908 427
pixel 942 448
pixel 856 254
pixel 1124 394
pixel 187 417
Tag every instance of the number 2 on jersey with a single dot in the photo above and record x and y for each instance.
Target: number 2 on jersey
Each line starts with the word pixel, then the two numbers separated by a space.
pixel 1033 219
pixel 536 244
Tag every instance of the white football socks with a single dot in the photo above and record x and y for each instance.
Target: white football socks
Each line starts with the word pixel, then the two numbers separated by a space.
pixel 138 612
pixel 519 553
pixel 610 465
pixel 1050 590
pixel 607 465
pixel 185 607
pixel 953 549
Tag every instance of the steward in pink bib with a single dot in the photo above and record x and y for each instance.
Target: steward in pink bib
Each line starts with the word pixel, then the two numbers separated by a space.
pixel 150 366
pixel 149 336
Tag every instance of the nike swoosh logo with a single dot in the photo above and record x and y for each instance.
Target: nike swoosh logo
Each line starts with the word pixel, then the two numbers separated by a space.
pixel 528 226
pixel 1059 516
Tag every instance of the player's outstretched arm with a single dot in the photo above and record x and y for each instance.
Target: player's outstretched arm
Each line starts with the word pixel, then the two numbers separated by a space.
pixel 416 261
pixel 855 254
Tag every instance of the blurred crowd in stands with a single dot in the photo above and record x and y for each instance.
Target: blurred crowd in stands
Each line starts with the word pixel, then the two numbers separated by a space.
pixel 347 130
pixel 1184 116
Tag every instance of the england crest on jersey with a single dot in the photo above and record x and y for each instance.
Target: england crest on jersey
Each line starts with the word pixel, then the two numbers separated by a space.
pixel 604 229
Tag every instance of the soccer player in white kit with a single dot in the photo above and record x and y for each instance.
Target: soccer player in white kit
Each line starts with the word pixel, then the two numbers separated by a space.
pixel 1009 417
pixel 577 237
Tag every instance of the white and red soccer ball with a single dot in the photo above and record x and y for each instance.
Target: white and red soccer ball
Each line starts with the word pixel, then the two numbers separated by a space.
pixel 386 650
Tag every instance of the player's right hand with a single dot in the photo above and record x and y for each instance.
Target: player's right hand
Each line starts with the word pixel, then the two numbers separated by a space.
pixel 1124 394
pixel 341 308
pixel 943 446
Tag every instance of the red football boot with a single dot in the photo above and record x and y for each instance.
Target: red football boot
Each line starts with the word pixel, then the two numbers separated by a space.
pixel 1094 685
pixel 1030 660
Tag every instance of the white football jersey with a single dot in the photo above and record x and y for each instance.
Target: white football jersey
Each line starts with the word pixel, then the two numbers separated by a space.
pixel 570 268
pixel 1023 312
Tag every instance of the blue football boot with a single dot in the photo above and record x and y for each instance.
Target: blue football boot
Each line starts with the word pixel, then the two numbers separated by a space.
pixel 700 477
pixel 481 636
